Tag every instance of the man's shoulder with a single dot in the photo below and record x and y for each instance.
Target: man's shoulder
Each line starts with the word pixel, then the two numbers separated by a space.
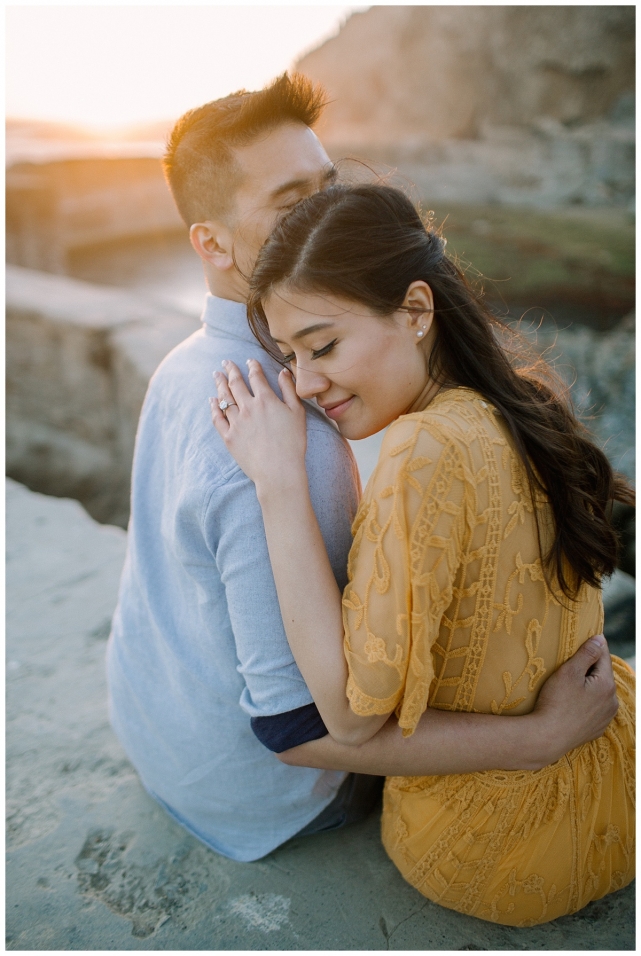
pixel 177 407
pixel 322 435
pixel 195 351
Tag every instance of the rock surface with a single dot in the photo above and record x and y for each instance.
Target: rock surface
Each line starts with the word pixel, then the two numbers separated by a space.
pixel 79 357
pixel 89 194
pixel 442 72
pixel 599 369
pixel 95 864
pixel 508 104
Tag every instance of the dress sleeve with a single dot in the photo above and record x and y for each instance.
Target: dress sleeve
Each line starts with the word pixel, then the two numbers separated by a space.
pixel 408 542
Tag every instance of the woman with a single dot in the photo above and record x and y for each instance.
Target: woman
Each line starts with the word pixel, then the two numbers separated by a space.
pixel 479 548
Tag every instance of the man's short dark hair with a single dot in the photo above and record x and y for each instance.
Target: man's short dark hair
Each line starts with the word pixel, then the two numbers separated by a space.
pixel 199 163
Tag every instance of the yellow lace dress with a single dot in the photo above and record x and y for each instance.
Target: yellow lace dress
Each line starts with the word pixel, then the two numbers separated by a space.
pixel 447 606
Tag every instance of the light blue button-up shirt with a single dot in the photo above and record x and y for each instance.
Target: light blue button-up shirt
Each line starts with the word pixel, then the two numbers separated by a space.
pixel 197 646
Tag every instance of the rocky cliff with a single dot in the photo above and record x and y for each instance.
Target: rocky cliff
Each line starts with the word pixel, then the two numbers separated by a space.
pixel 549 88
pixel 445 72
pixel 79 357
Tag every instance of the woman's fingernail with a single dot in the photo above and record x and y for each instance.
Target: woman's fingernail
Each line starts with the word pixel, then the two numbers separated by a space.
pixel 598 639
pixel 225 363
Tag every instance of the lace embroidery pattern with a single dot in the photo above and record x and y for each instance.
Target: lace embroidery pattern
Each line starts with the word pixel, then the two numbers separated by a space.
pixel 489 826
pixel 482 623
pixel 447 603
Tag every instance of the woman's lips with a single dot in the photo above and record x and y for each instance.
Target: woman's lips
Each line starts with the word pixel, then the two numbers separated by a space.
pixel 335 411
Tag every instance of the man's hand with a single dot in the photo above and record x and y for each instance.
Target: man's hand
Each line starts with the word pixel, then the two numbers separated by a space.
pixel 578 702
pixel 575 705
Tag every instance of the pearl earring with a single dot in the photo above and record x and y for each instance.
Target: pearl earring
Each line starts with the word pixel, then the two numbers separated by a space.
pixel 421 332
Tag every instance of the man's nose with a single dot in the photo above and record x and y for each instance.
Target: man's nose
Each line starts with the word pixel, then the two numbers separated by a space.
pixel 309 384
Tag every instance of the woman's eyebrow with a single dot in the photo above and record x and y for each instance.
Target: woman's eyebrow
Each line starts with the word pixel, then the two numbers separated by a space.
pixel 307 331
pixel 312 328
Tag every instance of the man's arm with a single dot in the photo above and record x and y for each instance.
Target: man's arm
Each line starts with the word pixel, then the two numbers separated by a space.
pixel 575 705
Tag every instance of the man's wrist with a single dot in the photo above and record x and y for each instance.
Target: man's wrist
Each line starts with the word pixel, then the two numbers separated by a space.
pixel 539 748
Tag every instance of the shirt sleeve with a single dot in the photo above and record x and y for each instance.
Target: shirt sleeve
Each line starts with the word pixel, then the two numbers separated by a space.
pixel 283 731
pixel 235 534
pixel 407 548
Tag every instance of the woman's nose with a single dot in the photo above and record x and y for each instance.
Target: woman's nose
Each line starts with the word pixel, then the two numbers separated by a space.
pixel 309 384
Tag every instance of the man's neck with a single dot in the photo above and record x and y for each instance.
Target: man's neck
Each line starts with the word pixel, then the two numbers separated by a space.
pixel 226 286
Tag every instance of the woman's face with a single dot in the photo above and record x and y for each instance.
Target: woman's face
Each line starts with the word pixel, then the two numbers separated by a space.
pixel 363 370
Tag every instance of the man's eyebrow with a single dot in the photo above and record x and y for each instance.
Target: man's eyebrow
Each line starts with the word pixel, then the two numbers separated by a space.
pixel 290 187
pixel 329 175
pixel 307 331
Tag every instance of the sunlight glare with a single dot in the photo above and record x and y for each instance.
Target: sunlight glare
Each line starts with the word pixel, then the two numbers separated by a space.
pixel 104 66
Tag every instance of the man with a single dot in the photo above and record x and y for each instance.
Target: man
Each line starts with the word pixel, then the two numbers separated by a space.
pixel 199 667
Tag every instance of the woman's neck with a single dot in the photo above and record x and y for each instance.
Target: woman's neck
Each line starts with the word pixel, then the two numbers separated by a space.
pixel 427 394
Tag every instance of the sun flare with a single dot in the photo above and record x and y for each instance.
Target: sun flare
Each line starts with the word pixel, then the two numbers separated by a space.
pixel 114 66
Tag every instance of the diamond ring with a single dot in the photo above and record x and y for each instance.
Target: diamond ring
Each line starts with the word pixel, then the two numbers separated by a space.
pixel 224 405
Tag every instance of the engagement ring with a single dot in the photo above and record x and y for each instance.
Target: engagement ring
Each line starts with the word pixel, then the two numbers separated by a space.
pixel 224 405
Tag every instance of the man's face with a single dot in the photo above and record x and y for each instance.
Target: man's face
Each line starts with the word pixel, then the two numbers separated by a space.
pixel 277 169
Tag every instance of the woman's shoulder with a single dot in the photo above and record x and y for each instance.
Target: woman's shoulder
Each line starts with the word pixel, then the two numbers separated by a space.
pixel 458 407
pixel 416 445
pixel 445 435
pixel 453 416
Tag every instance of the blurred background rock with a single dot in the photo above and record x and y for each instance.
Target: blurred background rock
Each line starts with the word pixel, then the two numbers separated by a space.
pixel 513 125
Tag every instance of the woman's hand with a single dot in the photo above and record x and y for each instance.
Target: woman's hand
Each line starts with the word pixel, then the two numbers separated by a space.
pixel 265 435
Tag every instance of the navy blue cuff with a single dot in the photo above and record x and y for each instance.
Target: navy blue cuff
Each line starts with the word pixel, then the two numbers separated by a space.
pixel 280 732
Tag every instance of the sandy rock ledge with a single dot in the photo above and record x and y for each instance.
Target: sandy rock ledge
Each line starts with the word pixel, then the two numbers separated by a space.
pixel 94 864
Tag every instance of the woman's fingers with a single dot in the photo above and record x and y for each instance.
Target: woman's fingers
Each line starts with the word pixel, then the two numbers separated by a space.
pixel 288 388
pixel 258 380
pixel 235 385
pixel 225 396
pixel 234 394
pixel 218 418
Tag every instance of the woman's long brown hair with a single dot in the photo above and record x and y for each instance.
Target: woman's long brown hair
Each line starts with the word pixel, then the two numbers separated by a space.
pixel 367 244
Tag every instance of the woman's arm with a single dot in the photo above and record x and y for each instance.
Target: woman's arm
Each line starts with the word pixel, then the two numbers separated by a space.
pixel 310 604
pixel 575 705
pixel 309 598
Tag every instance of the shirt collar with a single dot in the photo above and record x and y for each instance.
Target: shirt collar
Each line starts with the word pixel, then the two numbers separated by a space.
pixel 227 317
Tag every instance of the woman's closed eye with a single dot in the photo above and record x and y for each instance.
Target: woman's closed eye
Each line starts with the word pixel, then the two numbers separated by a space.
pixel 326 349
pixel 316 353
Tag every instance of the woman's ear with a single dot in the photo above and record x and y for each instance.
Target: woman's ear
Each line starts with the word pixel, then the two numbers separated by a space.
pixel 213 242
pixel 418 306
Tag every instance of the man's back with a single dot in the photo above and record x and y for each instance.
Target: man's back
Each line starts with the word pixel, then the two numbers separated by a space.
pixel 198 647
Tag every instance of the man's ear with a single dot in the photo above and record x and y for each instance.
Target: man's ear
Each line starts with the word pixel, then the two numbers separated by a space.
pixel 213 242
pixel 419 303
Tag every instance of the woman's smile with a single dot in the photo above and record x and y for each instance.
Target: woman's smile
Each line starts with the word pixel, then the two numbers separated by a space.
pixel 335 410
